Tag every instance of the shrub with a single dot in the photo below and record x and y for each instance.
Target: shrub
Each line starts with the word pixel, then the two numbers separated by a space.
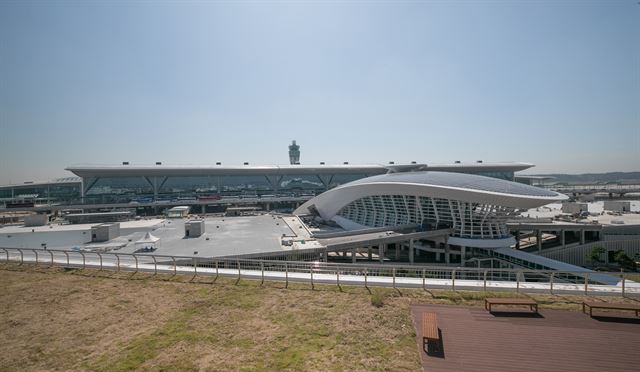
pixel 624 261
pixel 594 255
pixel 377 299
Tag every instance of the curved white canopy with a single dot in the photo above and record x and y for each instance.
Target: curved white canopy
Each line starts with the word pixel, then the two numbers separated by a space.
pixel 445 185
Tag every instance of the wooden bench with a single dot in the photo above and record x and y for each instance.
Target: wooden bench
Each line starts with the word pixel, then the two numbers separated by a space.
pixel 606 305
pixel 430 330
pixel 488 302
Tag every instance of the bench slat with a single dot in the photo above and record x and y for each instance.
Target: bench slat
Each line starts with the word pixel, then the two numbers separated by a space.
pixel 605 305
pixel 488 302
pixel 510 301
pixel 430 326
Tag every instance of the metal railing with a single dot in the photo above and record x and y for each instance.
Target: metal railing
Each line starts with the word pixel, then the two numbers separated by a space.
pixel 368 275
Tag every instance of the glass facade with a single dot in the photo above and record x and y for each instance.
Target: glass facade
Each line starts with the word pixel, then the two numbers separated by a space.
pixel 41 193
pixel 125 189
pixel 341 179
pixel 121 186
pixel 301 183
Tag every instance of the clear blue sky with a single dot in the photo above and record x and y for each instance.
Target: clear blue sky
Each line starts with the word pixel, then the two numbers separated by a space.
pixel 555 83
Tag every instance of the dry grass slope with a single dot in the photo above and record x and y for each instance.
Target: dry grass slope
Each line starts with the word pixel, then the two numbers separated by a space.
pixel 88 320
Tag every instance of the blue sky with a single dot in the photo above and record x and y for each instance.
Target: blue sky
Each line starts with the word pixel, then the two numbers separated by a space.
pixel 555 83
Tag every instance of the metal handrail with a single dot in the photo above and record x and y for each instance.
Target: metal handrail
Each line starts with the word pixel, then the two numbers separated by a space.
pixel 340 271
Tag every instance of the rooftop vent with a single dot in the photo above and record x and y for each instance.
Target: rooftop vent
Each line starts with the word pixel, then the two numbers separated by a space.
pixel 321 163
pixel 125 163
pixel 158 163
pixel 246 163
pixel 391 162
pixel 479 161
pixel 457 161
pixel 345 163
pixel 218 163
pixel 414 162
pixel 297 163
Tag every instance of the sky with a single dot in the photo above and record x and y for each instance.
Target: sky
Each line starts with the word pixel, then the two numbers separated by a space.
pixel 554 83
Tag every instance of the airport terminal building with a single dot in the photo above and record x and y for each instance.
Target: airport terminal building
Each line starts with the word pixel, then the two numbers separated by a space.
pixel 160 181
pixel 476 208
pixel 134 183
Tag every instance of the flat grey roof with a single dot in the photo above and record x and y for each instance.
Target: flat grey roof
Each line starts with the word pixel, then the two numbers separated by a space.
pixel 227 236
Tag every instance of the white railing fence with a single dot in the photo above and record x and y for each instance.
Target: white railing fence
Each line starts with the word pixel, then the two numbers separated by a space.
pixel 367 275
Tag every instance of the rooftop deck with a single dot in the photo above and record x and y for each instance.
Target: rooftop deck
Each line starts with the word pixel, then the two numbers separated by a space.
pixel 514 340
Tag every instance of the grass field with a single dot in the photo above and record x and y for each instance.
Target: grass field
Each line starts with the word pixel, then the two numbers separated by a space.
pixel 54 319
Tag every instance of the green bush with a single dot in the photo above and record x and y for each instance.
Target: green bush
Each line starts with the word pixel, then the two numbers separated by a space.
pixel 595 255
pixel 377 299
pixel 624 261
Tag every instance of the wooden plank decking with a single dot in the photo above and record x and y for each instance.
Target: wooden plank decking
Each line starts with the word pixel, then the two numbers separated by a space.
pixel 476 340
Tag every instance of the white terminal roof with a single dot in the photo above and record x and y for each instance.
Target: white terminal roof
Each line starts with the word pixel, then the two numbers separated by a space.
pixel 202 170
pixel 444 185
pixel 459 181
pixel 65 181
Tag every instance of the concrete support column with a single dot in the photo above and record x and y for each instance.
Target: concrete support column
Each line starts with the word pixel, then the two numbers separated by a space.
pixel 447 253
pixel 204 209
pixel 344 253
pixel 398 247
pixel 582 240
pixel 517 239
pixel 562 239
pixel 463 255
pixel 369 253
pixel 381 252
pixel 353 255
pixel 437 256
pixel 325 256
pixel 411 259
pixel 539 239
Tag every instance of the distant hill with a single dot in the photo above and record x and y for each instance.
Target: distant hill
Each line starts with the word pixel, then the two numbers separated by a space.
pixel 613 177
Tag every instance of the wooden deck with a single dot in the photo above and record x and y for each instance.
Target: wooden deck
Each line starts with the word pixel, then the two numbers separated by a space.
pixel 476 340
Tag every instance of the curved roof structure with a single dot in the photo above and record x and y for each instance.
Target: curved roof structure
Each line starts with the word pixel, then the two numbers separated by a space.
pixel 213 170
pixel 444 185
pixel 460 181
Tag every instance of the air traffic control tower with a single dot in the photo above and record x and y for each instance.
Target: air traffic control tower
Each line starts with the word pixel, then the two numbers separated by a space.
pixel 294 153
